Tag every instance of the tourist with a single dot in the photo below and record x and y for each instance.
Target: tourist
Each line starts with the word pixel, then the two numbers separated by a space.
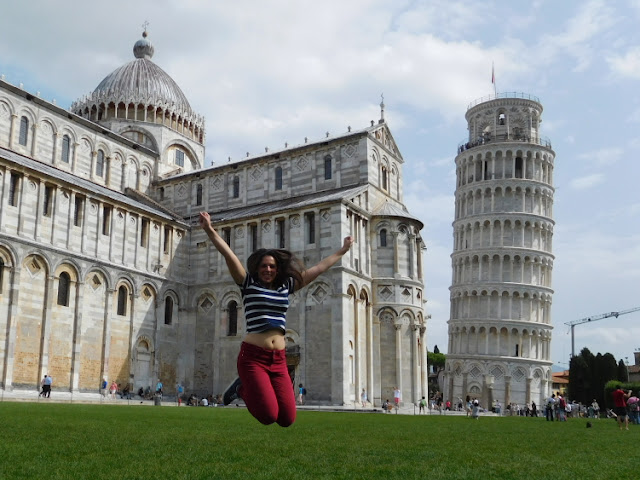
pixel 396 396
pixel 620 406
pixel 551 402
pixel 475 409
pixel 633 405
pixel 46 387
pixel 271 276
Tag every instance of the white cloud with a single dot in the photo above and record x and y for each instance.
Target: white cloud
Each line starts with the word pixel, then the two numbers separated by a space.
pixel 589 181
pixel 577 34
pixel 626 65
pixel 602 157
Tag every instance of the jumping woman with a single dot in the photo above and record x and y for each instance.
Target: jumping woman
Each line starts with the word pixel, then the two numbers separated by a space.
pixel 271 276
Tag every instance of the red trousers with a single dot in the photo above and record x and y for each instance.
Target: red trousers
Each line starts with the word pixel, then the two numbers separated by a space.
pixel 266 385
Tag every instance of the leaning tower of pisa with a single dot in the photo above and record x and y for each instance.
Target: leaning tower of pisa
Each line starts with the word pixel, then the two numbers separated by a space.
pixel 502 261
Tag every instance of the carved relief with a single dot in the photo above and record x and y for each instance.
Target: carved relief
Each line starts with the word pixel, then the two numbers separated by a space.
pixel 319 294
pixel 349 150
pixel 385 292
pixel 256 174
pixel 302 163
pixel 217 183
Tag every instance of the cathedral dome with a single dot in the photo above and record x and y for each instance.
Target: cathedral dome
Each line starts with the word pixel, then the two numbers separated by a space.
pixel 143 86
pixel 141 80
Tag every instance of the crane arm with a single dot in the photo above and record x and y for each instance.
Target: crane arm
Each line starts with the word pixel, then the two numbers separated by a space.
pixel 594 318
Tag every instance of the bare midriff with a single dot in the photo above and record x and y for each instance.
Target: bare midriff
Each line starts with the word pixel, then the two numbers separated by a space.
pixel 271 339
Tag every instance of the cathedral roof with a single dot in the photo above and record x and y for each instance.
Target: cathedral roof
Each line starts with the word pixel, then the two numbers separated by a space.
pixel 387 209
pixel 96 190
pixel 140 81
pixel 295 203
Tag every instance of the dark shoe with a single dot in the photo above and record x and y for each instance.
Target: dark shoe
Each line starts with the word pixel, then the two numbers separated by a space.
pixel 231 393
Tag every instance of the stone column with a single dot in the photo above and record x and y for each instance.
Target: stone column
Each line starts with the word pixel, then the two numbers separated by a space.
pixel 112 231
pixel 12 330
pixel 46 325
pixel 12 129
pixel 465 380
pixel 40 203
pixel 106 337
pixel 507 390
pixel 5 186
pixel 412 255
pixel 24 181
pixel 415 363
pixel 70 217
pixel 424 373
pixel 56 140
pixel 74 156
pixel 396 266
pixel 94 156
pixel 398 327
pixel 369 339
pixel 77 337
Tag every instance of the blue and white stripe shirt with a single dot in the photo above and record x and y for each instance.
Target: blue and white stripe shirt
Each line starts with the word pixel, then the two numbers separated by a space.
pixel 265 308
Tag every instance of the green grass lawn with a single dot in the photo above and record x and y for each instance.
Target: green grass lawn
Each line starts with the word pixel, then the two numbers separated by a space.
pixel 62 441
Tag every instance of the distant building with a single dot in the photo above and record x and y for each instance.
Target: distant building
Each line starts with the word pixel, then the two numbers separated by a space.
pixel 502 260
pixel 634 370
pixel 104 272
pixel 560 382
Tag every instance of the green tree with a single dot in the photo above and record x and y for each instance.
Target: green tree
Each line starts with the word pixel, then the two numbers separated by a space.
pixel 588 375
pixel 623 372
pixel 435 363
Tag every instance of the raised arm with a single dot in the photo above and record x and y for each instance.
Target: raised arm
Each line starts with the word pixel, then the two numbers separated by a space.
pixel 310 274
pixel 236 269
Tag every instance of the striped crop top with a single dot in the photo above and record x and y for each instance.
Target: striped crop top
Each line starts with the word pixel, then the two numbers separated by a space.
pixel 264 308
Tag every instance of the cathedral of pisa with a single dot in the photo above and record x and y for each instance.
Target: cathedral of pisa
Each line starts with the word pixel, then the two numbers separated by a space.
pixel 105 274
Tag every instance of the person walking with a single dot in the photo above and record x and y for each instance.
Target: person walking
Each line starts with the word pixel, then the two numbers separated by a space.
pixel 301 392
pixel 620 406
pixel 551 402
pixel 179 392
pixel 46 387
pixel 363 398
pixel 41 394
pixel 423 404
pixel 271 276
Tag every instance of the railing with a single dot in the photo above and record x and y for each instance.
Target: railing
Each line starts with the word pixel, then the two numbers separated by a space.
pixel 487 139
pixel 503 95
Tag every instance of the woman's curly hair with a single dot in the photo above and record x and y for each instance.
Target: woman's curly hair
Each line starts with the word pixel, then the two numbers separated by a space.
pixel 288 264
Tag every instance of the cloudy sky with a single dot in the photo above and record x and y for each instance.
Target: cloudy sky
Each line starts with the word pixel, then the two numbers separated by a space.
pixel 268 72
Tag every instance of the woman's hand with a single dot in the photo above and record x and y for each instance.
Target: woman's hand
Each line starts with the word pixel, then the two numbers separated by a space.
pixel 204 220
pixel 346 244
